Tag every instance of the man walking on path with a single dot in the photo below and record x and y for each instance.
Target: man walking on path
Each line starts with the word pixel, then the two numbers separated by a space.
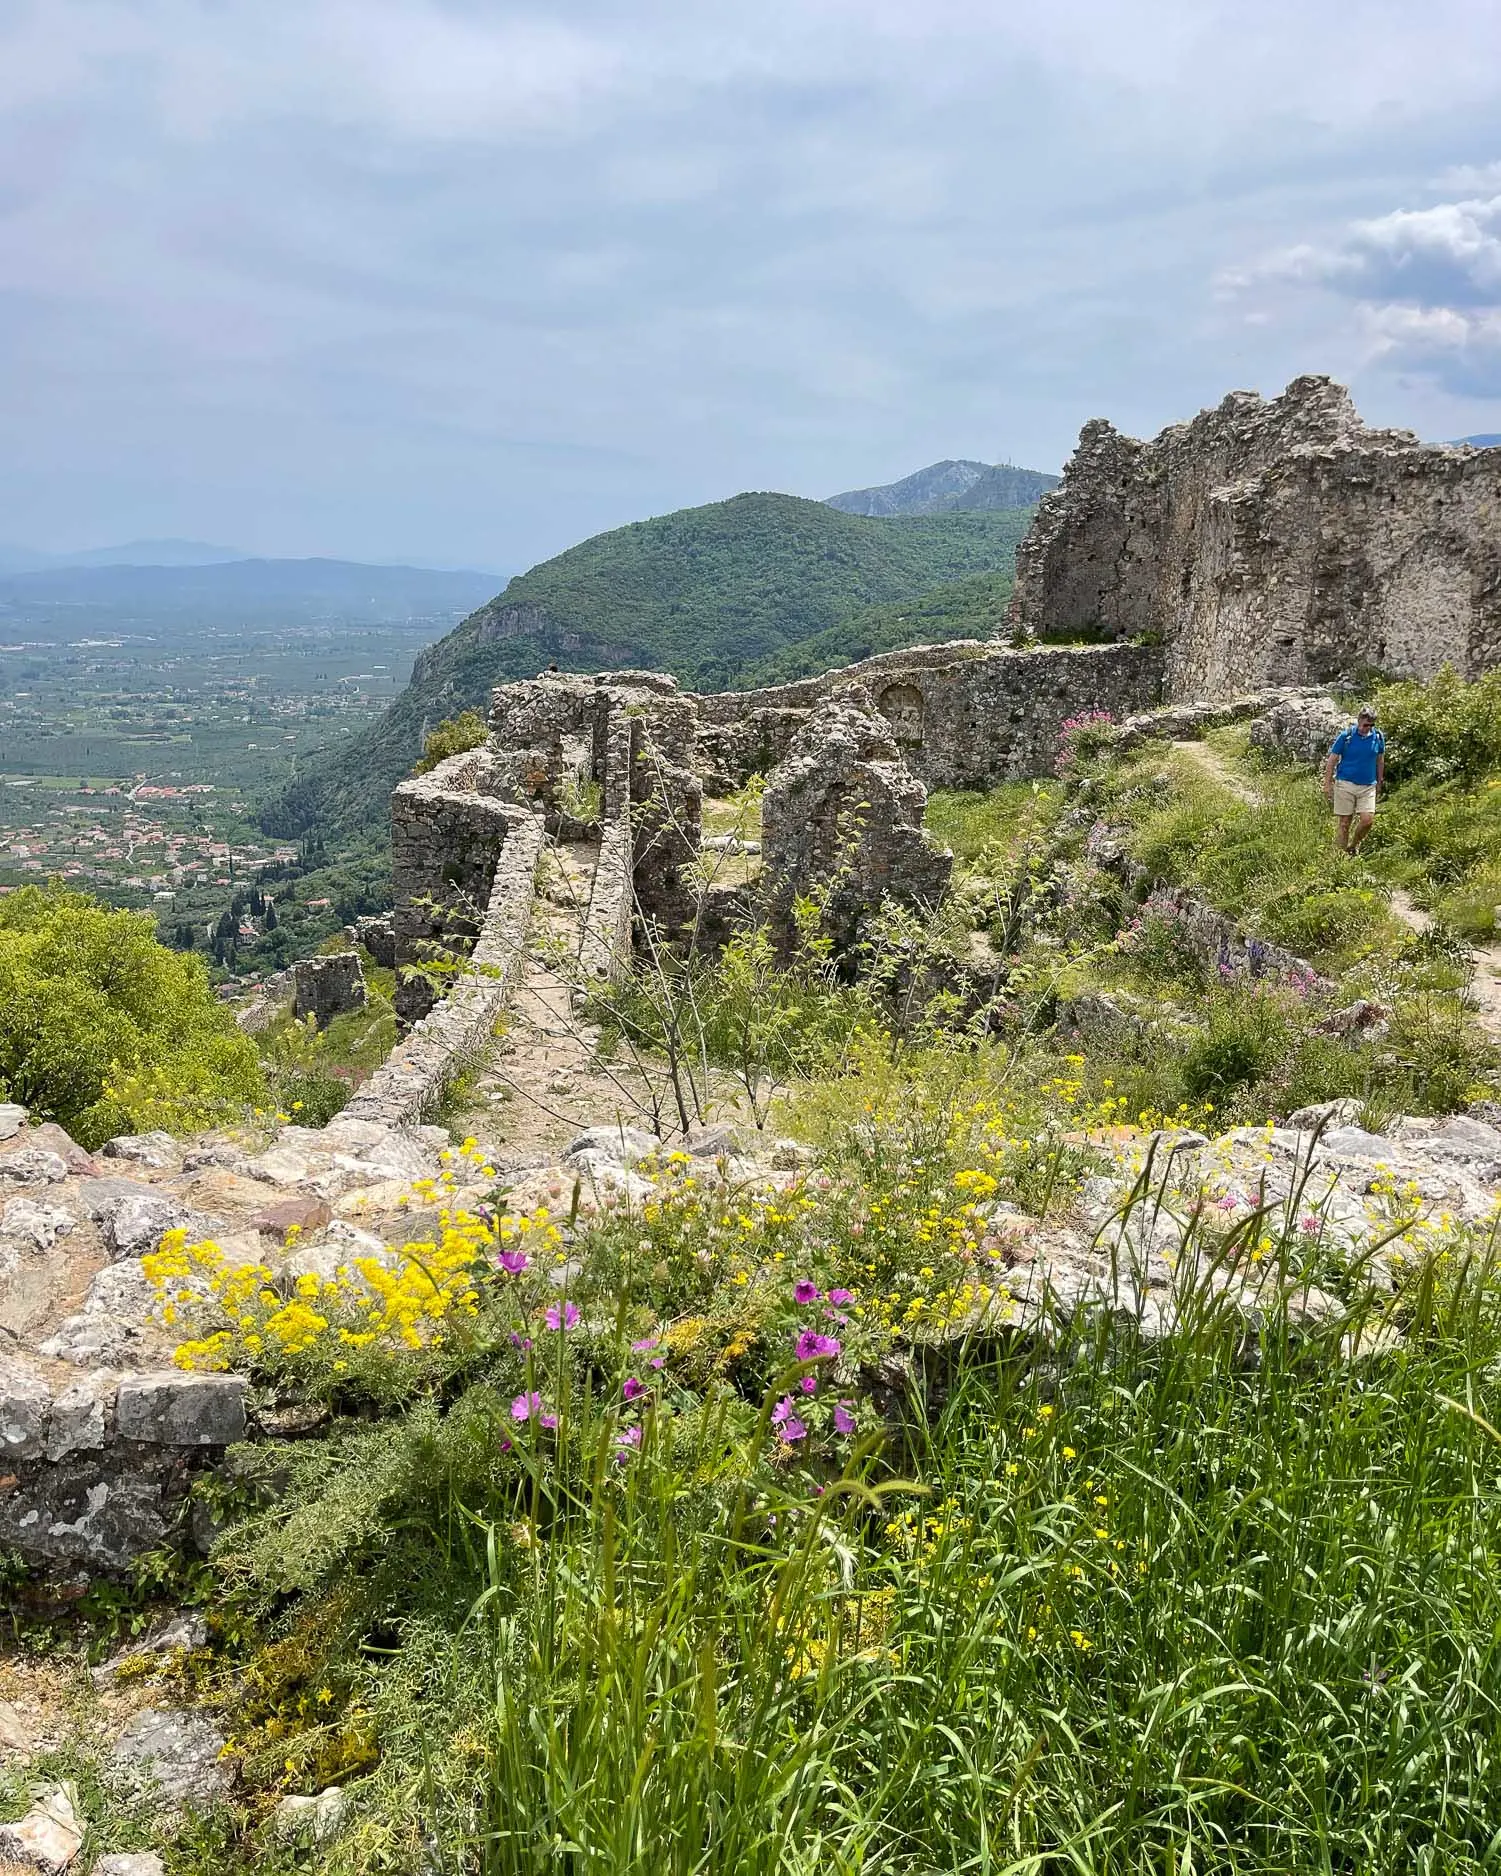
pixel 1354 771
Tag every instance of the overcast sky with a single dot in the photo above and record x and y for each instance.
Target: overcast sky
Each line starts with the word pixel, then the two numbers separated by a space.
pixel 463 281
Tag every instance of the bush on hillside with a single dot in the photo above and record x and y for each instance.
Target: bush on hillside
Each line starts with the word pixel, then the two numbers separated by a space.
pixel 452 737
pixel 106 1031
pixel 1442 729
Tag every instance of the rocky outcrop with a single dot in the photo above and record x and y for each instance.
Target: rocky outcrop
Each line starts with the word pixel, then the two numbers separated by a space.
pixel 1273 542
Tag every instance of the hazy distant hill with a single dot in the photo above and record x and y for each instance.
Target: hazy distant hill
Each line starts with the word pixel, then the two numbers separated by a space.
pixel 170 553
pixel 703 593
pixel 943 487
pixel 1488 441
pixel 242 591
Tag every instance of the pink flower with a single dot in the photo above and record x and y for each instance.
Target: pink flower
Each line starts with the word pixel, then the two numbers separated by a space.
pixel 814 1347
pixel 809 1384
pixel 656 1361
pixel 840 1297
pixel 786 1422
pixel 525 1405
pixel 1310 1222
pixel 844 1420
pixel 563 1318
pixel 645 1343
pixel 626 1442
pixel 548 1420
pixel 633 1388
pixel 805 1292
pixel 513 1262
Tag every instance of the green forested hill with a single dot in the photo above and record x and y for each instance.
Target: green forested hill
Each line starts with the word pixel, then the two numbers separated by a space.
pixel 710 594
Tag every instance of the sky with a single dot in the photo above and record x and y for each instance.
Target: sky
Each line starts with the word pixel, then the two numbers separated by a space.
pixel 464 281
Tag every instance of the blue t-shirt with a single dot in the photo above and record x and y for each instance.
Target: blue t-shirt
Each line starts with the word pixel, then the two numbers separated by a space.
pixel 1357 755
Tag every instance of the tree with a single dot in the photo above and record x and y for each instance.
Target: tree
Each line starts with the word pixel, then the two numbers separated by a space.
pixel 107 1031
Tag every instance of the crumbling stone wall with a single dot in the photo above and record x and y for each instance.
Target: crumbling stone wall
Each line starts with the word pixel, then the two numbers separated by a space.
pixel 447 833
pixel 841 820
pixel 328 986
pixel 1273 542
pixel 965 715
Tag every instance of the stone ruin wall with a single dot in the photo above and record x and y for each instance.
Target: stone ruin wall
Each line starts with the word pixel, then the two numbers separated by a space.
pixel 1273 542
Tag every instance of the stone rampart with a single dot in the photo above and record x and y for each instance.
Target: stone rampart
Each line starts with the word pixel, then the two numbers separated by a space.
pixel 416 1072
pixel 1273 542
pixel 605 949
pixel 965 715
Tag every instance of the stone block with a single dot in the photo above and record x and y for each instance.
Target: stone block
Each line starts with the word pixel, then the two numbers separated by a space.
pixel 25 1402
pixel 329 986
pixel 169 1408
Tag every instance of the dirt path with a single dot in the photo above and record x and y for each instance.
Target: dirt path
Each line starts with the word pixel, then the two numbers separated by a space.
pixel 1486 991
pixel 1218 770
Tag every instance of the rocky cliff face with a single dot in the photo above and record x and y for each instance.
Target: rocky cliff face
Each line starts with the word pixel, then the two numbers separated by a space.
pixel 1274 542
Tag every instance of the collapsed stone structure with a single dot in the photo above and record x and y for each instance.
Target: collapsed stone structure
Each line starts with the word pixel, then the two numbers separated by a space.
pixel 328 986
pixel 1273 542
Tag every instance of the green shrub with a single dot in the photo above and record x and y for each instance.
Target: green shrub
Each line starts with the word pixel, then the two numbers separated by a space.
pixel 106 1031
pixel 452 737
pixel 1442 729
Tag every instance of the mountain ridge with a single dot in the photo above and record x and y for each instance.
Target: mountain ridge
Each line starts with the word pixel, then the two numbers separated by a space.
pixel 946 487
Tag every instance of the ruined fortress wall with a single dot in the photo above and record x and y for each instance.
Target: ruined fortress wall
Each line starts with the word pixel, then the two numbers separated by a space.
pixel 605 947
pixel 965 715
pixel 416 1072
pixel 1273 542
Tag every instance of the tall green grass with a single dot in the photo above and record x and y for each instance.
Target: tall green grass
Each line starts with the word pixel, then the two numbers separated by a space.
pixel 1227 1600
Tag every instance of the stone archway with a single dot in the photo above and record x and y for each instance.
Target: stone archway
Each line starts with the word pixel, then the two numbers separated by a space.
pixel 903 708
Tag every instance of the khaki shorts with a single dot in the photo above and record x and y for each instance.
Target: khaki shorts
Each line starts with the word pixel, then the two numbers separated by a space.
pixel 1351 798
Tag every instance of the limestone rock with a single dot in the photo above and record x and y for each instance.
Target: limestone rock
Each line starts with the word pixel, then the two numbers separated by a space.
pixel 32 1166
pixel 15 1734
pixel 311 1821
pixel 48 1838
pixel 1300 728
pixel 25 1402
pixel 12 1119
pixel 136 1224
pixel 170 1408
pixel 627 1146
pixel 156 1150
pixel 79 1416
pixel 178 1754
pixel 35 1223
pixel 292 1214
pixel 130 1863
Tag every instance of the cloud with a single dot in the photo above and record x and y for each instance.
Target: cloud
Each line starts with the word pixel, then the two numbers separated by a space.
pixel 471 278
pixel 1425 286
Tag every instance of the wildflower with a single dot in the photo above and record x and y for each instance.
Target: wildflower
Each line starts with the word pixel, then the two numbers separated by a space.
pixel 814 1347
pixel 639 1348
pixel 805 1292
pixel 525 1405
pixel 844 1420
pixel 1080 1640
pixel 1012 1468
pixel 839 1298
pixel 786 1422
pixel 809 1384
pixel 561 1318
pixel 1069 1453
pixel 513 1262
pixel 633 1388
pixel 626 1442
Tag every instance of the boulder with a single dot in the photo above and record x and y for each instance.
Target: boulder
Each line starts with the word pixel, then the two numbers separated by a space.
pixel 48 1838
pixel 12 1119
pixel 177 1753
pixel 15 1734
pixel 35 1224
pixel 292 1214
pixel 167 1407
pixel 1300 729
pixel 156 1150
pixel 32 1166
pixel 624 1145
pixel 130 1863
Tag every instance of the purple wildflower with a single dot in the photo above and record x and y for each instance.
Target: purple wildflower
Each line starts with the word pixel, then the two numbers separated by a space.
pixel 844 1420
pixel 525 1405
pixel 548 1420
pixel 512 1262
pixel 805 1292
pixel 840 1297
pixel 809 1383
pixel 563 1318
pixel 646 1342
pixel 814 1347
pixel 786 1422
pixel 633 1388
pixel 630 1437
pixel 656 1361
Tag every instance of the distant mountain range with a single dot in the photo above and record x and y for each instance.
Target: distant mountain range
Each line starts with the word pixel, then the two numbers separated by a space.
pixel 241 591
pixel 170 553
pixel 944 487
pixel 1479 442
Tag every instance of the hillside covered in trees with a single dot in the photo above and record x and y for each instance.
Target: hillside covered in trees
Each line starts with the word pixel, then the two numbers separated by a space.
pixel 711 594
